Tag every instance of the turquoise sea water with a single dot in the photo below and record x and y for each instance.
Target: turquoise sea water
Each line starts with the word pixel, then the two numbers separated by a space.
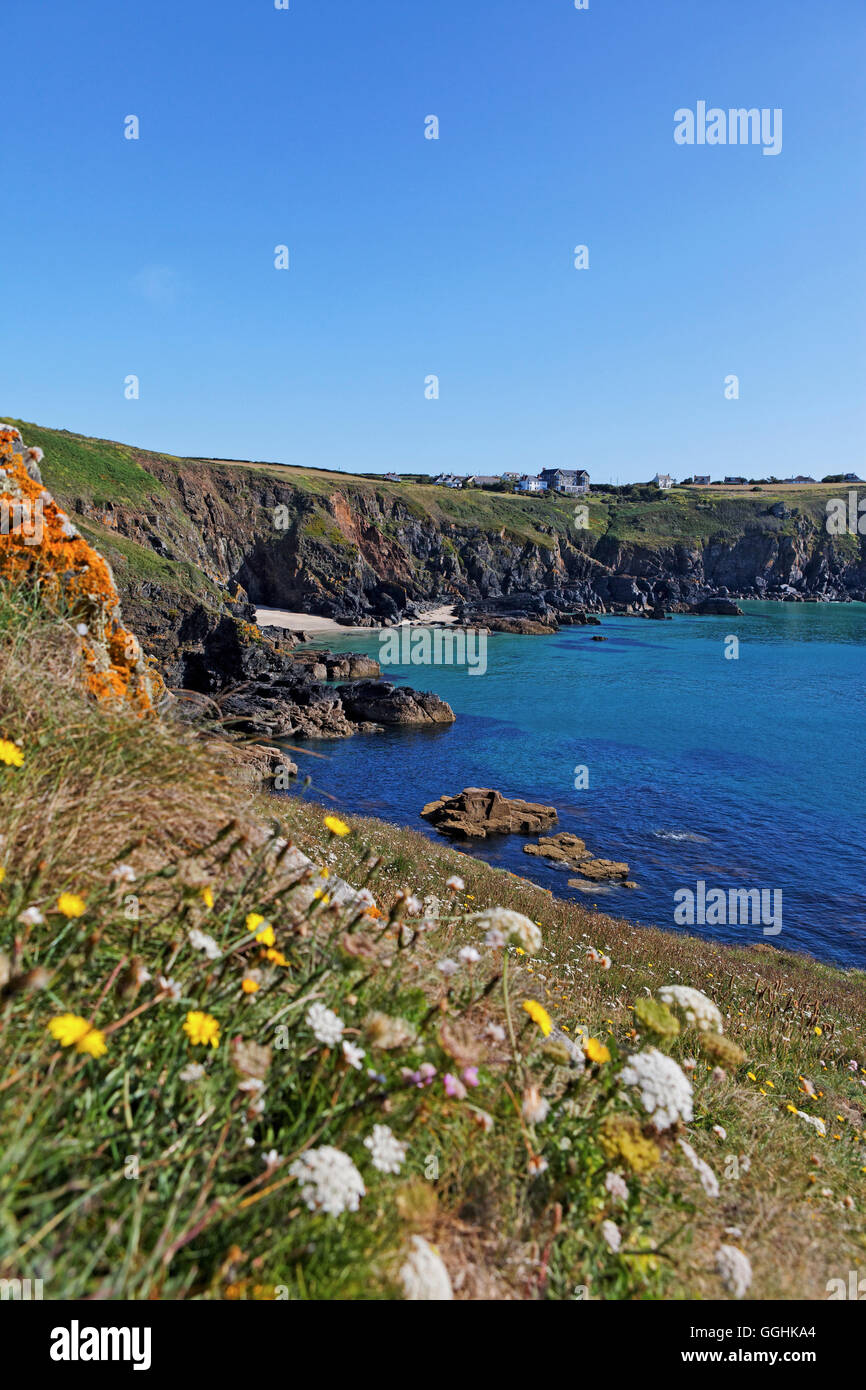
pixel 744 773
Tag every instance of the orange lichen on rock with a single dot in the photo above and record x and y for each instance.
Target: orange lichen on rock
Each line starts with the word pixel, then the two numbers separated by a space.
pixel 39 545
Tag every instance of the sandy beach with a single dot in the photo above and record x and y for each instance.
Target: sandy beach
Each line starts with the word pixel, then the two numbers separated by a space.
pixel 314 625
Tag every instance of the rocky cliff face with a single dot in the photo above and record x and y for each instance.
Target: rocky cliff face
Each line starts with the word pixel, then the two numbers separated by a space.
pixel 364 555
pixel 208 540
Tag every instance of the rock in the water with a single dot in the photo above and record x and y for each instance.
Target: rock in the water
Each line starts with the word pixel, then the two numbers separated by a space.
pixel 563 848
pixel 381 702
pixel 521 627
pixel 480 811
pixel 600 869
pixel 717 607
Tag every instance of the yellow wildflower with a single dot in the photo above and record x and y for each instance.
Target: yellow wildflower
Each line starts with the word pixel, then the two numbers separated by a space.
pixel 337 826
pixel 249 985
pixel 254 920
pixel 818 1031
pixel 71 905
pixel 539 1015
pixel 202 1029
pixel 266 935
pixel 72 1031
pixel 276 957
pixel 207 897
pixel 2 873
pixel 10 753
pixel 596 1051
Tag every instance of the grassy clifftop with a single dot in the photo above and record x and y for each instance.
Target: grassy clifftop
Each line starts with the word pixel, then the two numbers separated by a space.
pixel 110 474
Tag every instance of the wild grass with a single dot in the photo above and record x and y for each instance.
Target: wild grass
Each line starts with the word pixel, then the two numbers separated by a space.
pixel 142 885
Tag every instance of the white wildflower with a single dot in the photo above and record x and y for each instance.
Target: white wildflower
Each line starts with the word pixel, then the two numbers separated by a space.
pixel 172 988
pixel 200 941
pixel 815 1121
pixel 193 1072
pixel 353 1055
pixel 535 1107
pixel 665 1090
pixel 612 1235
pixel 699 1011
pixel 720 1131
pixel 709 1181
pixel 326 1025
pixel 423 1274
pixel 387 1152
pixel 735 1269
pixel 468 955
pixel 513 926
pixel 31 917
pixel 495 939
pixel 495 1031
pixel 123 873
pixel 414 906
pixel 615 1184
pixel 455 883
pixel 329 1180
pixel 537 1165
pixel 448 968
pixel 271 1158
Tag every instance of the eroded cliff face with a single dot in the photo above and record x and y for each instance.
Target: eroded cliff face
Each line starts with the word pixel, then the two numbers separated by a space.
pixel 366 554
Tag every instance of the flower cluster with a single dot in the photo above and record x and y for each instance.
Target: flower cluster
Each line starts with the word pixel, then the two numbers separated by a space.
pixel 329 1180
pixel 699 1011
pixel 665 1090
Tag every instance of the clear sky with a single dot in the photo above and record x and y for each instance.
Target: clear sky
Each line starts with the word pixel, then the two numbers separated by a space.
pixel 411 257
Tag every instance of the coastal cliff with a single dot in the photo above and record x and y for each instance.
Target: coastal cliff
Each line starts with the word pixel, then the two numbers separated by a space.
pixel 195 544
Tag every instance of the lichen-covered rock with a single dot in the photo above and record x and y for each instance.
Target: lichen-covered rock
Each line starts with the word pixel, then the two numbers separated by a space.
pixel 40 546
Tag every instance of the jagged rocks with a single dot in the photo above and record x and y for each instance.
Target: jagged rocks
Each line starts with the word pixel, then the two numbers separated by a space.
pixel 571 852
pixel 717 607
pixel 381 702
pixel 563 848
pixel 598 870
pixel 348 666
pixel 256 766
pixel 480 811
pixel 521 627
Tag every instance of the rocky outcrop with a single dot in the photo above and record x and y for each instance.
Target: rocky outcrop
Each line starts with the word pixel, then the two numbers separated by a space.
pixel 521 627
pixel 564 848
pixel 600 869
pixel 382 702
pixel 717 607
pixel 479 811
pixel 571 853
pixel 40 545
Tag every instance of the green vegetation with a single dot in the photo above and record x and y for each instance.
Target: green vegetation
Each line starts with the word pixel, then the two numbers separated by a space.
pixel 134 563
pixel 95 469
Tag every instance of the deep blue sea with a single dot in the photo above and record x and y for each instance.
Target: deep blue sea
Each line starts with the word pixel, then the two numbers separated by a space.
pixel 745 773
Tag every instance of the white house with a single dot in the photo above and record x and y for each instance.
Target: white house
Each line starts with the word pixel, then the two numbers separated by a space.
pixel 527 484
pixel 663 480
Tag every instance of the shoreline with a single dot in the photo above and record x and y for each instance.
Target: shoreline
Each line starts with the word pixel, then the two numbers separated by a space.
pixel 312 623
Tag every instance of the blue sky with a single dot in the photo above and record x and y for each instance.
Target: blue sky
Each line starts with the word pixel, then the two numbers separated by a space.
pixel 412 257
